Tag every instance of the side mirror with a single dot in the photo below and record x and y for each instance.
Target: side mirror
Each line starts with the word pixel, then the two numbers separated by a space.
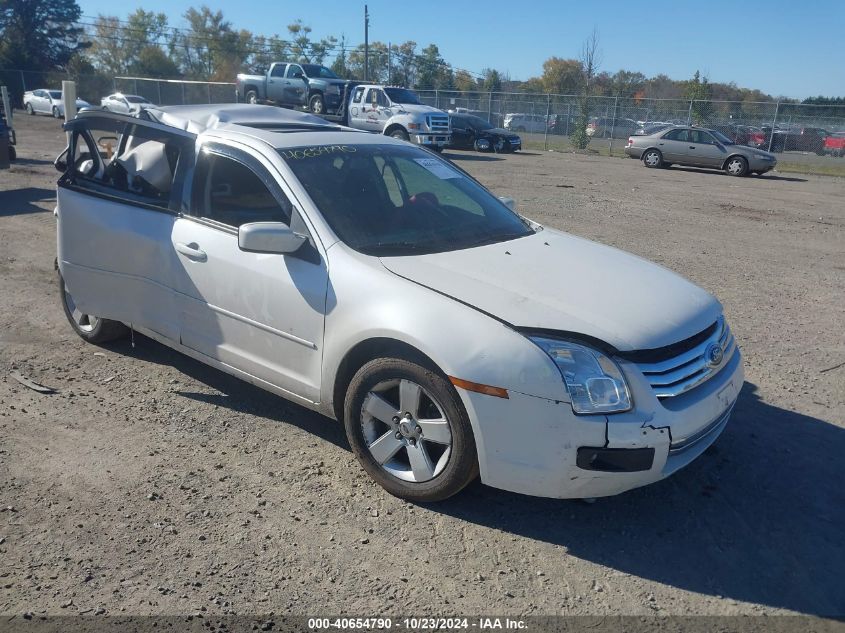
pixel 510 203
pixel 60 163
pixel 269 237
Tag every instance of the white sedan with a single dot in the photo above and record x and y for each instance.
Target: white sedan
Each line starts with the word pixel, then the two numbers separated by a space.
pixel 48 102
pixel 375 282
pixel 128 104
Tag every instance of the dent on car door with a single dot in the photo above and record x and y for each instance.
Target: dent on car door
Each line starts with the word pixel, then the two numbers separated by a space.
pixel 258 312
pixel 116 206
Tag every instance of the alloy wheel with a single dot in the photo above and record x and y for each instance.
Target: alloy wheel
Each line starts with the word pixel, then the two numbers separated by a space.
pixel 406 430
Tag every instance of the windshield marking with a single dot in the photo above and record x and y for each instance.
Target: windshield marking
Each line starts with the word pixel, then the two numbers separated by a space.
pixel 437 168
pixel 313 152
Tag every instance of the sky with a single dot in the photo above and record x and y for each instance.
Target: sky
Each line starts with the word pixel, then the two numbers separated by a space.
pixel 786 48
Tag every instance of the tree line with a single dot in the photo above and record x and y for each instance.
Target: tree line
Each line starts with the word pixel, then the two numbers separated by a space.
pixel 48 35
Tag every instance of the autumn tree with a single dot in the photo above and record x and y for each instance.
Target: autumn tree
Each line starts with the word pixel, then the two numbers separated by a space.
pixel 40 34
pixel 210 48
pixel 589 61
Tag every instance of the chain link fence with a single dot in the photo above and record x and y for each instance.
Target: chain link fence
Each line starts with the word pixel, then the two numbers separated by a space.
pixel 549 121
pixel 92 88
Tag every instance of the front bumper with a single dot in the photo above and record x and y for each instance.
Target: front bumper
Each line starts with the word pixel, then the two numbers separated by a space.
pixel 531 445
pixel 432 139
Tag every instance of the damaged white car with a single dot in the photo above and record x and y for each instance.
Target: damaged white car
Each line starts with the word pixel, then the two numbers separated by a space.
pixel 379 284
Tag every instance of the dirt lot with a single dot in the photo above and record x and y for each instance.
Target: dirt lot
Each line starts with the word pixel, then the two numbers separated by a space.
pixel 151 484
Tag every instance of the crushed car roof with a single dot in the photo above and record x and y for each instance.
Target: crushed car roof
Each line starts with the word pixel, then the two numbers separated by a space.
pixel 199 118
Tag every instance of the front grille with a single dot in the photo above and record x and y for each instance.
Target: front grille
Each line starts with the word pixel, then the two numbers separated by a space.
pixel 688 369
pixel 438 122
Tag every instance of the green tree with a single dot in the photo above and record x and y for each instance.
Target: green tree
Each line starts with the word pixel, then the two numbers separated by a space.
pixel 210 49
pixel 698 91
pixel 304 49
pixel 152 61
pixel 561 76
pixel 39 34
pixel 404 63
pixel 265 51
pixel 465 82
pixel 117 48
pixel 430 68
pixel 377 64
pixel 492 81
pixel 589 60
pixel 340 67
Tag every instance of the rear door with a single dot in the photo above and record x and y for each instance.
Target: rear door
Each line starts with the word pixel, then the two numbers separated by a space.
pixel 117 203
pixel 674 145
pixel 276 83
pixel 356 108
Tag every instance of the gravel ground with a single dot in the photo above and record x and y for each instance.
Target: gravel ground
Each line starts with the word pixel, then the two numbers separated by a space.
pixel 151 484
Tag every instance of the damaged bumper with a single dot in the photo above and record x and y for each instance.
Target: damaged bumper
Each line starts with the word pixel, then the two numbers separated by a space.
pixel 539 447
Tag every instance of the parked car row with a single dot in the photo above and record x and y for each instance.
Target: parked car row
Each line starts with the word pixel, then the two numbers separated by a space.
pixel 50 102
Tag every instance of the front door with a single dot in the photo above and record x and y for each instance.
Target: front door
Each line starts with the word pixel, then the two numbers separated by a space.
pixel 117 203
pixel 276 83
pixel 296 86
pixel 260 313
pixel 705 150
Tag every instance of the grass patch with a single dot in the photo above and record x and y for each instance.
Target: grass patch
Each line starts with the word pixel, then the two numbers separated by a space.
pixel 812 169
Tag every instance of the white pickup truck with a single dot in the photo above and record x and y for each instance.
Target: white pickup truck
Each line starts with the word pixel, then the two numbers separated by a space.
pixel 396 112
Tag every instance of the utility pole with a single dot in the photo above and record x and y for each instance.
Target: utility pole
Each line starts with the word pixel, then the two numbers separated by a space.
pixel 366 44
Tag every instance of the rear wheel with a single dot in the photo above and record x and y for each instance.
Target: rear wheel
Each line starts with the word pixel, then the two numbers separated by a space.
pixel 316 104
pixel 408 428
pixel 736 166
pixel 251 97
pixel 89 327
pixel 653 159
pixel 56 114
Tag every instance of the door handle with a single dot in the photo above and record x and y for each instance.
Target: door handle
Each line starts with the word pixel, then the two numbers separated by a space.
pixel 191 251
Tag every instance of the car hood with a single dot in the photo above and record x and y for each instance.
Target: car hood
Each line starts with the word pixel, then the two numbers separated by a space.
pixel 556 281
pixel 412 108
pixel 500 132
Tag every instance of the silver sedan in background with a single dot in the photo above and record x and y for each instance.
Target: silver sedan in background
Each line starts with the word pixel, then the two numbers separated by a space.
pixel 698 147
pixel 127 104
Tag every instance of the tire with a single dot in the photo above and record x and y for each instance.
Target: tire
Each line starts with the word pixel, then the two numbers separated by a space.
pixel 30 110
pixel 401 134
pixel 56 114
pixel 12 153
pixel 251 96
pixel 736 166
pixel 316 104
pixel 653 159
pixel 89 328
pixel 404 461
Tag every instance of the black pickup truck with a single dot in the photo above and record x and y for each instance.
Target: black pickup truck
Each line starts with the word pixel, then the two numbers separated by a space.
pixel 294 85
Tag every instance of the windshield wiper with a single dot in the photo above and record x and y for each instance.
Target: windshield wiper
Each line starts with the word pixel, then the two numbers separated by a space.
pixel 493 239
pixel 395 246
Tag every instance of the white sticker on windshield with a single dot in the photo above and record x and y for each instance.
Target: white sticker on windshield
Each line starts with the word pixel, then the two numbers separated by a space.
pixel 438 168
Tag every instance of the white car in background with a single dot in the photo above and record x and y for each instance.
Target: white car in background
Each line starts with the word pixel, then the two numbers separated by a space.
pixel 531 123
pixel 127 104
pixel 371 280
pixel 48 102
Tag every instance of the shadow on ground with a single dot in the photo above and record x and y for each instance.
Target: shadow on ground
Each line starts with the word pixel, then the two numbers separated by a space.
pixel 714 172
pixel 22 201
pixel 758 518
pixel 471 157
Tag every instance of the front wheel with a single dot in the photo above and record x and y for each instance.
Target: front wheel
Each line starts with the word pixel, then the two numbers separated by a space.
pixel 736 166
pixel 56 114
pixel 30 110
pixel 316 104
pixel 89 327
pixel 401 134
pixel 653 159
pixel 410 431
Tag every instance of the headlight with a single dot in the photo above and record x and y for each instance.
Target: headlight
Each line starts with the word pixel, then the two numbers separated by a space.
pixel 594 381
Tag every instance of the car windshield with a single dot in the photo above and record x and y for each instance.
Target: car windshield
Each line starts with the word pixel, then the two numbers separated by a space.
pixel 314 71
pixel 389 200
pixel 724 140
pixel 55 94
pixel 401 95
pixel 133 99
pixel 478 123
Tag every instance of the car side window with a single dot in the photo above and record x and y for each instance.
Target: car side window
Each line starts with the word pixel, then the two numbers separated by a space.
pixel 358 95
pixel 295 72
pixel 278 70
pixel 381 99
pixel 231 193
pixel 128 161
pixel 677 135
pixel 701 137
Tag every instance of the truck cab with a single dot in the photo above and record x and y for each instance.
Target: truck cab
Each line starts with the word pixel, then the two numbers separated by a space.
pixel 397 112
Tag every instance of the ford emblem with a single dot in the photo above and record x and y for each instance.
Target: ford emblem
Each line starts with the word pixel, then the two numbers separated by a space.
pixel 713 355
